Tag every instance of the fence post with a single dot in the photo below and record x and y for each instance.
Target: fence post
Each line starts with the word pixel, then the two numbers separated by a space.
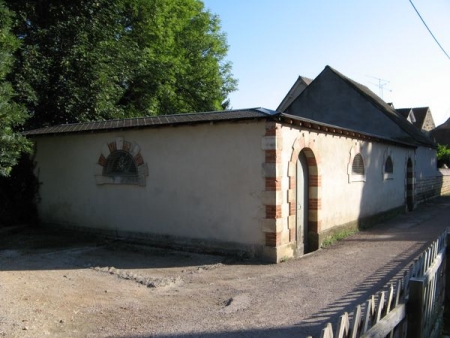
pixel 446 327
pixel 415 307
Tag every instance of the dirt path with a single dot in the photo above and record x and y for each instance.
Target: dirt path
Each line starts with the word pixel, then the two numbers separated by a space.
pixel 53 286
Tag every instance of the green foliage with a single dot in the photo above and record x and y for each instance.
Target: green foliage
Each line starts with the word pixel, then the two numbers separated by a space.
pixel 12 115
pixel 443 156
pixel 85 60
pixel 19 194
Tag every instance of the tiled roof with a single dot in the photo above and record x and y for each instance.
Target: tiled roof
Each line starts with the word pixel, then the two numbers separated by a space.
pixel 419 114
pixel 207 117
pixel 387 110
pixel 154 121
pixel 403 112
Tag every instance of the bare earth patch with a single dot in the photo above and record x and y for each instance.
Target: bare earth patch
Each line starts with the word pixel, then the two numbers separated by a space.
pixel 61 285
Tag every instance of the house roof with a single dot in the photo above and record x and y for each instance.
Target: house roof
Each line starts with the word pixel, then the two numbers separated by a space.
pixel 208 117
pixel 420 113
pixel 404 111
pixel 154 121
pixel 387 110
pixel 296 89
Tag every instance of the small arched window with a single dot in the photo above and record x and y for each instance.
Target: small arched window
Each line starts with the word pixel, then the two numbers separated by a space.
pixel 389 166
pixel 120 164
pixel 358 165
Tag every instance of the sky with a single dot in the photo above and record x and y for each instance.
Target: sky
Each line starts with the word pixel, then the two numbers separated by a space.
pixel 381 44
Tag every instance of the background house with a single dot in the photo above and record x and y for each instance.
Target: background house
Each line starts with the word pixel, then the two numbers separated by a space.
pixel 420 117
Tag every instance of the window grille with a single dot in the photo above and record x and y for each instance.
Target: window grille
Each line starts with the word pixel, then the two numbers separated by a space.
pixel 120 163
pixel 358 165
pixel 389 166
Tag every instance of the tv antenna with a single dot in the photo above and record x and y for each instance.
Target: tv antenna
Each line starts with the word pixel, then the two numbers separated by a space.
pixel 381 85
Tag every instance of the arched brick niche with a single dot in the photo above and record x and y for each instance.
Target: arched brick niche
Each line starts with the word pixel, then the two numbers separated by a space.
pixel 121 162
pixel 306 144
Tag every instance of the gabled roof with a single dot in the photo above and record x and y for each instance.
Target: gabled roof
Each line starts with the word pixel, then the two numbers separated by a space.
pixel 387 110
pixel 155 121
pixel 420 113
pixel 297 88
pixel 405 112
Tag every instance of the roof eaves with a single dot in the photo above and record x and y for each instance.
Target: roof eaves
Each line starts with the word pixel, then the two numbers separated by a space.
pixel 336 130
pixel 156 121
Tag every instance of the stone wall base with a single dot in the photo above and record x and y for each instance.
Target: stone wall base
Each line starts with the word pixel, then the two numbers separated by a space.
pixel 197 245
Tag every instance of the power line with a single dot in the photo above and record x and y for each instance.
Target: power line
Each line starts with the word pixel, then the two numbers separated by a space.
pixel 429 29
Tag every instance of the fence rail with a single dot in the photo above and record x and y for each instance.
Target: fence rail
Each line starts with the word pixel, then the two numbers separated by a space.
pixel 410 308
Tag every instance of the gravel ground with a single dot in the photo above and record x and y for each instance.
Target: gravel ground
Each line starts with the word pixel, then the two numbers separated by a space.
pixel 55 285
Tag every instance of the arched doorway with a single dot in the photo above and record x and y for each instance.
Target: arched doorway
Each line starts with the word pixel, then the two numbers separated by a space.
pixel 302 209
pixel 304 194
pixel 409 185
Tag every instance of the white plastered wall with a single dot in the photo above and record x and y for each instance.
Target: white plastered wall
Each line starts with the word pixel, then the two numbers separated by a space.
pixel 204 182
pixel 343 200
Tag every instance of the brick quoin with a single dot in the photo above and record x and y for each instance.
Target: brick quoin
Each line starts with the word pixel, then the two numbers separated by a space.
pixel 273 211
pixel 273 183
pixel 271 129
pixel 273 156
pixel 273 239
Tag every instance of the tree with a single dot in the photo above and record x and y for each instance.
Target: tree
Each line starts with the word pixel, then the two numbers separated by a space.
pixel 443 156
pixel 12 115
pixel 85 60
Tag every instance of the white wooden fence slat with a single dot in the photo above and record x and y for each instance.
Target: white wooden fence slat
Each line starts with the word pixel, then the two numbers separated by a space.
pixel 343 326
pixel 327 332
pixel 387 324
pixel 357 320
pixel 380 306
pixel 390 298
pixel 369 309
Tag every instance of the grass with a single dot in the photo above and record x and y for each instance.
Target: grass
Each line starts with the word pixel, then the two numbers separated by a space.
pixel 338 236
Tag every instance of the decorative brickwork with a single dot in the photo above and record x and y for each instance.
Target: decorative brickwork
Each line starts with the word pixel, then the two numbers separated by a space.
pixel 272 146
pixel 273 239
pixel 306 144
pixel 132 150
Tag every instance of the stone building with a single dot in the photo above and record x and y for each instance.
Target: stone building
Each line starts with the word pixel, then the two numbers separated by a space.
pixel 270 184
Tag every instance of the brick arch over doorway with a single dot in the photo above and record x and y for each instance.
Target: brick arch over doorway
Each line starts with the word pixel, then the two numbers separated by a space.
pixel 306 144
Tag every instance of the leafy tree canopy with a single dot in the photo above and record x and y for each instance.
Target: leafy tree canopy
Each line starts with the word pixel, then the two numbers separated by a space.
pixel 85 60
pixel 12 115
pixel 443 156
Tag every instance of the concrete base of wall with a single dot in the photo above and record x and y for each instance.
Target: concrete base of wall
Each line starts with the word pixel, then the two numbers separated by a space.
pixel 206 246
pixel 278 254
